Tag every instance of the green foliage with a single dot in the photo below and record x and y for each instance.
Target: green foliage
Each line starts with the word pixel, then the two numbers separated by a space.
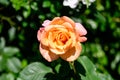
pixel 14 64
pixel 18 4
pixel 90 70
pixel 8 76
pixel 8 63
pixel 4 2
pixel 86 70
pixel 35 71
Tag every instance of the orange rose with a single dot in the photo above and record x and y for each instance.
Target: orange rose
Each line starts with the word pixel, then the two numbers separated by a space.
pixel 61 37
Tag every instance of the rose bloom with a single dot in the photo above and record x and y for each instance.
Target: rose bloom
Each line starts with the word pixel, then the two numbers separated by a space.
pixel 62 38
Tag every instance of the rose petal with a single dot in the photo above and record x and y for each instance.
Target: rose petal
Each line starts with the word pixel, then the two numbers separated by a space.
pixel 57 21
pixel 82 39
pixel 53 27
pixel 80 29
pixel 46 23
pixel 44 38
pixel 39 33
pixel 73 53
pixel 67 19
pixel 48 55
pixel 68 26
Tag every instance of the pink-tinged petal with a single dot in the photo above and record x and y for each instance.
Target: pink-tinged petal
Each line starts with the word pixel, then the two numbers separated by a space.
pixel 82 39
pixel 46 23
pixel 44 38
pixel 73 53
pixel 80 29
pixel 67 19
pixel 39 33
pixel 48 55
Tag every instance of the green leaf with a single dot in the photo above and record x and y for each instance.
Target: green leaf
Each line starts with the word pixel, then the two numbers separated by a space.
pixel 8 76
pixel 52 9
pixel 18 4
pixel 10 51
pixel 90 70
pixel 92 23
pixel 2 43
pixel 1 28
pixel 4 2
pixel 46 4
pixel 57 68
pixel 119 69
pixel 105 76
pixel 35 71
pixel 2 63
pixel 34 6
pixel 100 17
pixel 87 70
pixel 14 64
pixel 11 33
pixel 27 12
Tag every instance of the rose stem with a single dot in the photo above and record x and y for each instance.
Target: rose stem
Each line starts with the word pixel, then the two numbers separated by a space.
pixel 72 66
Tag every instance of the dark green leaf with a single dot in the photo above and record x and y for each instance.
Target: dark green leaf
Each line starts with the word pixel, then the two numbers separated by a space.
pixel 1 27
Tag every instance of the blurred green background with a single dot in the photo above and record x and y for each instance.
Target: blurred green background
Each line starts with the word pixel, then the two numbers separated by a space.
pixel 21 19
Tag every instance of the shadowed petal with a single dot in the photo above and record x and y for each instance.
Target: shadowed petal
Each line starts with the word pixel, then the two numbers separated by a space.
pixel 48 55
pixel 73 53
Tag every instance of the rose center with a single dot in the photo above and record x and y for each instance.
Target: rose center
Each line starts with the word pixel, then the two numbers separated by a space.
pixel 63 39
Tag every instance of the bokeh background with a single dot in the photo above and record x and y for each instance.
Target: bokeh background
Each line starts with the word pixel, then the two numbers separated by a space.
pixel 21 19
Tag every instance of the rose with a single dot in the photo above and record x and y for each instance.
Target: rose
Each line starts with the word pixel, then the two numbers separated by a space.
pixel 61 37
